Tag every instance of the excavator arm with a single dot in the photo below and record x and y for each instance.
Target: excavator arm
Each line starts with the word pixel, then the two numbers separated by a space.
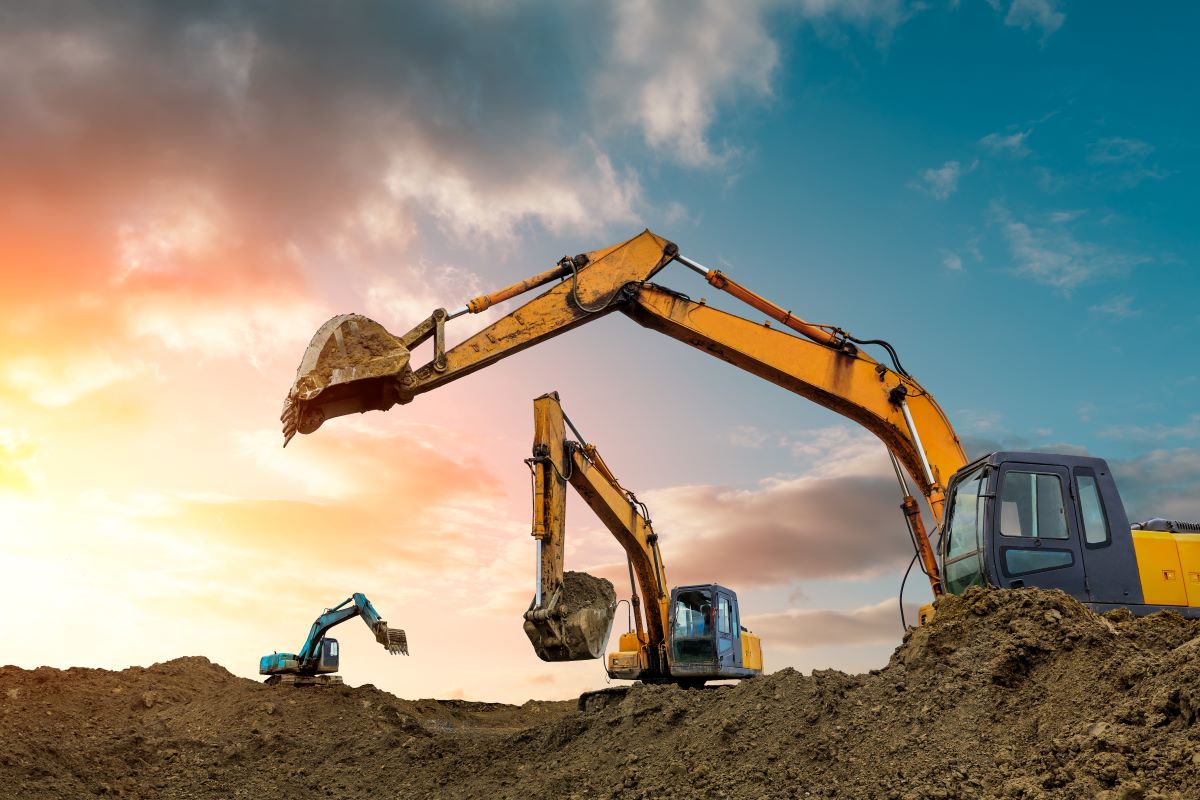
pixel 353 364
pixel 558 630
pixel 392 639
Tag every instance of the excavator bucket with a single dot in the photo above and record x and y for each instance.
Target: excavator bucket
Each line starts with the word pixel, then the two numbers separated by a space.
pixel 576 620
pixel 350 363
pixel 392 639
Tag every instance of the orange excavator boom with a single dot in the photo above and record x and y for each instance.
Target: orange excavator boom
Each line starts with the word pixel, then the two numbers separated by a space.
pixel 354 364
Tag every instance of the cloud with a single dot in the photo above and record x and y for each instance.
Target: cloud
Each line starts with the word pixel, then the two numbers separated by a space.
pixel 952 261
pixel 1124 161
pixel 749 436
pixel 1115 149
pixel 246 124
pixel 1119 307
pixel 59 382
pixel 1059 217
pixel 422 463
pixel 1162 483
pixel 1053 256
pixel 551 193
pixel 805 628
pixel 1156 432
pixel 1013 144
pixel 251 329
pixel 182 228
pixel 839 519
pixel 1027 14
pixel 17 454
pixel 781 530
pixel 410 294
pixel 941 182
pixel 1048 182
pixel 672 62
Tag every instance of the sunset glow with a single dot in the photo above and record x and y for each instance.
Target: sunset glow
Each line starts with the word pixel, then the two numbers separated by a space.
pixel 189 192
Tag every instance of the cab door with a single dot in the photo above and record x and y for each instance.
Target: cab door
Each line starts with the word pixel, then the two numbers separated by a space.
pixel 1036 541
pixel 729 644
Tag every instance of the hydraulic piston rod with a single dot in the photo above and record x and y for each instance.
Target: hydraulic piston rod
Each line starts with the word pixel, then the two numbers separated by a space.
pixel 483 302
pixel 726 284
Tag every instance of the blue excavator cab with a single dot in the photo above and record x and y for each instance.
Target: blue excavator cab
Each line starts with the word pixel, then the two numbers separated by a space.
pixel 327 661
pixel 706 638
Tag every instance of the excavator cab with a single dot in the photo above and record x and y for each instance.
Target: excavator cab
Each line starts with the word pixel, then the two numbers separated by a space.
pixel 706 638
pixel 327 660
pixel 1056 521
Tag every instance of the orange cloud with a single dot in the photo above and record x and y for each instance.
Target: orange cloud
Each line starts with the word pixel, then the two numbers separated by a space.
pixel 848 526
pixel 17 454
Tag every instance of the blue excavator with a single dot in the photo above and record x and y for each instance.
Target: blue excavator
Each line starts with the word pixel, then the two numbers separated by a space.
pixel 318 657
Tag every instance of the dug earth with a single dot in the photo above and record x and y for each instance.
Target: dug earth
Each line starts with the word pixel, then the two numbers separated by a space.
pixel 1017 694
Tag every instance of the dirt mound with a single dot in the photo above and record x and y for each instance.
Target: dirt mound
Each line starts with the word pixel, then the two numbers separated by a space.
pixel 1006 695
pixel 581 590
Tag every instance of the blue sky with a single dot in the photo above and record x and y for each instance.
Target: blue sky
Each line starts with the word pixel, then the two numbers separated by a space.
pixel 1004 194
pixel 1017 196
pixel 1003 189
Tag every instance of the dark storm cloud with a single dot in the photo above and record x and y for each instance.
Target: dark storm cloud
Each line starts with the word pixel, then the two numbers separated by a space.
pixel 290 111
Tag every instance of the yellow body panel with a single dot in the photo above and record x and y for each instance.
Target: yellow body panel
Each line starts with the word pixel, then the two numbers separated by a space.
pixel 629 641
pixel 627 664
pixel 1159 568
pixel 1189 561
pixel 751 651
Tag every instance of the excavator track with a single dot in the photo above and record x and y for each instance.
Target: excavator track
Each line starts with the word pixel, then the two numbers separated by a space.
pixel 304 680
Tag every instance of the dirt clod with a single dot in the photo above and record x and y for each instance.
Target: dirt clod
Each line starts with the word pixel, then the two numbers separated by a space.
pixel 1021 694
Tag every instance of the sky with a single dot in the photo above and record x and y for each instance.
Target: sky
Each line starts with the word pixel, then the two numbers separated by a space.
pixel 1006 190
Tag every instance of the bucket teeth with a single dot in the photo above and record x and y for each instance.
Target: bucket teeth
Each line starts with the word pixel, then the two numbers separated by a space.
pixel 392 639
pixel 397 642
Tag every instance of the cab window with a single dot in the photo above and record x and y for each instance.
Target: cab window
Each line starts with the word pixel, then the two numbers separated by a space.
pixel 724 617
pixel 1091 508
pixel 964 520
pixel 1019 561
pixel 963 560
pixel 1031 506
pixel 693 614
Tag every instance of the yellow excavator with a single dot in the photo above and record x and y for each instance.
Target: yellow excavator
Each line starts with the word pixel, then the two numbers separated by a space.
pixel 1007 519
pixel 687 635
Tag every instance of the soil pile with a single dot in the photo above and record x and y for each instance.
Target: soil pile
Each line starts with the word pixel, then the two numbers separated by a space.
pixel 581 590
pixel 1021 694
